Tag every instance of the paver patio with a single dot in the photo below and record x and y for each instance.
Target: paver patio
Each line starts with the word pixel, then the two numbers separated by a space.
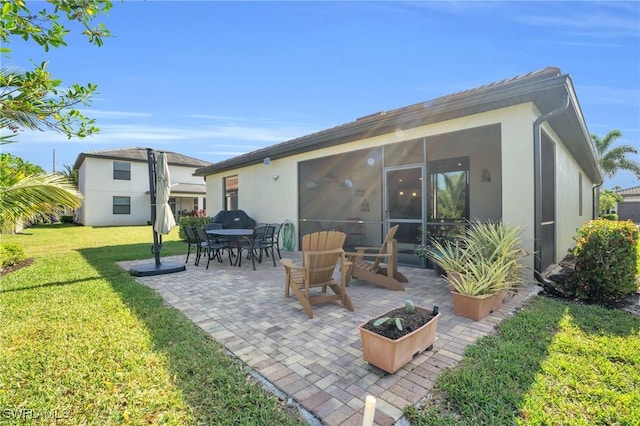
pixel 317 363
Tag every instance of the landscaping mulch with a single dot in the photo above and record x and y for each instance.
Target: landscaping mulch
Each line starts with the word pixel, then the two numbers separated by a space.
pixel 15 267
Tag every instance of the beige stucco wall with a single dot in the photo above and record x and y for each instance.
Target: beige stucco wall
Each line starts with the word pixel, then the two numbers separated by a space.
pixel 568 219
pixel 269 200
pixel 97 185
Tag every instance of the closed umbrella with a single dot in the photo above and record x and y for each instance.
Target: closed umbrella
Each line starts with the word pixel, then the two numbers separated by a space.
pixel 164 216
pixel 161 215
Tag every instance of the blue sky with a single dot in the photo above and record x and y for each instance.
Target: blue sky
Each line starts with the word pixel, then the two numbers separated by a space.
pixel 217 79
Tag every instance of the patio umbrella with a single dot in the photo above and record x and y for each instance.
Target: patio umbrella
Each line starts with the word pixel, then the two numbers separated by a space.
pixel 164 216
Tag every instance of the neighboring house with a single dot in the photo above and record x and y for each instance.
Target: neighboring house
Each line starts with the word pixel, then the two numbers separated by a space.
pixel 629 207
pixel 115 186
pixel 517 150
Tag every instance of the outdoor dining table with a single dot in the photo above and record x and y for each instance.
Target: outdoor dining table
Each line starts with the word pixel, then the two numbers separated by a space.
pixel 234 235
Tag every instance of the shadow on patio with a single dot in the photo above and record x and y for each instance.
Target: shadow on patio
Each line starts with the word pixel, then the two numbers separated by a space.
pixel 318 362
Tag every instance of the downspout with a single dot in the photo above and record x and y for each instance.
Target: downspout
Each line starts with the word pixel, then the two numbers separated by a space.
pixel 537 184
pixel 595 208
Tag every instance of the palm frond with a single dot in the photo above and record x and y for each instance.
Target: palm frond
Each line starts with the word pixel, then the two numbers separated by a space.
pixel 34 196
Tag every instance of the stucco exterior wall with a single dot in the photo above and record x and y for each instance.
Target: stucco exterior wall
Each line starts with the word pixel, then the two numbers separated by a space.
pixel 274 200
pixel 97 185
pixel 568 218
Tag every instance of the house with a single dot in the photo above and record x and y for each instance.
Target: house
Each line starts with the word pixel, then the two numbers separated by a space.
pixel 629 207
pixel 115 186
pixel 517 150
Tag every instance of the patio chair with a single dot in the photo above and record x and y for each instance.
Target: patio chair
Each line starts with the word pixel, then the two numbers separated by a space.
pixel 321 253
pixel 277 230
pixel 192 241
pixel 371 270
pixel 261 242
pixel 210 245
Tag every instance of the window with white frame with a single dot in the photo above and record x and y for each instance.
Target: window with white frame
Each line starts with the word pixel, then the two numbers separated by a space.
pixel 121 205
pixel 121 170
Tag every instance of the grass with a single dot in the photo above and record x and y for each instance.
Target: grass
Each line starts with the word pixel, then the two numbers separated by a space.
pixel 553 363
pixel 82 341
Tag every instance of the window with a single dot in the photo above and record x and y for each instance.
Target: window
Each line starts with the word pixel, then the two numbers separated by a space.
pixel 579 194
pixel 121 205
pixel 121 170
pixel 231 193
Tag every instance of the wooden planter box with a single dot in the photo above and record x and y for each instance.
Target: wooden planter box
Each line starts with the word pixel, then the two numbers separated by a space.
pixel 476 307
pixel 390 355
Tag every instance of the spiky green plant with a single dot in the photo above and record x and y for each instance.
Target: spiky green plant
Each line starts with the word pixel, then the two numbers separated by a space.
pixel 487 256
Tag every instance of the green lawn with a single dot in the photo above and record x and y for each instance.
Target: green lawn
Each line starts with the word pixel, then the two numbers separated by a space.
pixel 554 363
pixel 83 342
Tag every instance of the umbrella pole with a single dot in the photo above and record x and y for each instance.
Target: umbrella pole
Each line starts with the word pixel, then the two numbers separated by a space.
pixel 151 160
pixel 158 268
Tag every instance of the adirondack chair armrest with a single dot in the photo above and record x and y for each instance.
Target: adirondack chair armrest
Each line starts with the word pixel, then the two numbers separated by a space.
pixel 288 264
pixel 351 255
pixel 367 248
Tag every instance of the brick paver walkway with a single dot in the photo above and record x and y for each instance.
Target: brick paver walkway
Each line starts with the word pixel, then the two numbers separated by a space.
pixel 317 363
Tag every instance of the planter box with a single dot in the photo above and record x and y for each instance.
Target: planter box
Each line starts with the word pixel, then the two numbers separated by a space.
pixel 476 307
pixel 390 355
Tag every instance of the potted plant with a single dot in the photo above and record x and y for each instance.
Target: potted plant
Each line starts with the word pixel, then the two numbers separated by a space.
pixel 481 266
pixel 392 339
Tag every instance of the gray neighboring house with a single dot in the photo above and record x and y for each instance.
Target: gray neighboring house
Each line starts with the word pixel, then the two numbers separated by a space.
pixel 629 207
pixel 115 186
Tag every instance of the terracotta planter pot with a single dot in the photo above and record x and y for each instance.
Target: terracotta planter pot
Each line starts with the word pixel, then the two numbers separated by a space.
pixel 476 307
pixel 390 355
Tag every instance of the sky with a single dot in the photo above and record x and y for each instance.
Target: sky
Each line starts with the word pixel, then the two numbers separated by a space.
pixel 213 80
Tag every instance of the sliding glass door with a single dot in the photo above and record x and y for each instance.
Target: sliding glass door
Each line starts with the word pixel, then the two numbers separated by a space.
pixel 404 191
pixel 448 199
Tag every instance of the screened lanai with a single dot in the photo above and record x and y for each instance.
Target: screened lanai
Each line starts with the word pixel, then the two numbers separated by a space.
pixel 428 186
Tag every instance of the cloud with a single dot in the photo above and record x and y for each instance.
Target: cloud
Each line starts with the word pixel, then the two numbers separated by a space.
pixel 601 20
pixel 97 113
pixel 598 95
pixel 137 134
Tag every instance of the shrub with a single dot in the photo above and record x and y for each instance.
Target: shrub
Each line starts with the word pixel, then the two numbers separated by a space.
pixel 191 221
pixel 10 254
pixel 606 256
pixel 609 216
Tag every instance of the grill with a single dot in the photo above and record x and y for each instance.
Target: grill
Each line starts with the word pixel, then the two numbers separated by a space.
pixel 234 219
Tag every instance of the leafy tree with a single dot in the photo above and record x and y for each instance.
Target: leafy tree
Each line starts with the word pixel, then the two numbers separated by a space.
pixel 27 194
pixel 613 159
pixel 608 200
pixel 34 99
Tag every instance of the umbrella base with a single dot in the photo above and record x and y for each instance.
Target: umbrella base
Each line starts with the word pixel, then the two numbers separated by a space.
pixel 153 269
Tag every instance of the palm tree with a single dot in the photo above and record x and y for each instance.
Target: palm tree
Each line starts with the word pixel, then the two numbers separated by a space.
pixel 614 159
pixel 33 196
pixel 452 198
pixel 71 174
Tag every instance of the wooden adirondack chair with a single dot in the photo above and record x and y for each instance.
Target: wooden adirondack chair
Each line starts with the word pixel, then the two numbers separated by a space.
pixel 371 270
pixel 321 253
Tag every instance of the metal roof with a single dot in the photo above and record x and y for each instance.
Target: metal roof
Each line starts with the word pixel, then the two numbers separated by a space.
pixel 633 191
pixel 544 88
pixel 139 155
